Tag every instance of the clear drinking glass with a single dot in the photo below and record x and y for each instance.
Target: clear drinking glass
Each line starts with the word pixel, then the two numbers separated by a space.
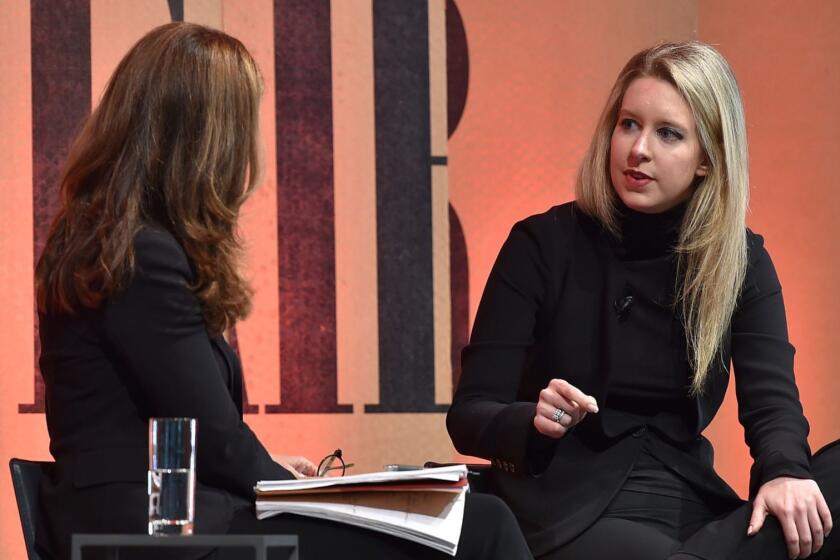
pixel 171 476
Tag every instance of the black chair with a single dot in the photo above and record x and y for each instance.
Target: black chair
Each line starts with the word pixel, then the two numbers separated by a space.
pixel 26 476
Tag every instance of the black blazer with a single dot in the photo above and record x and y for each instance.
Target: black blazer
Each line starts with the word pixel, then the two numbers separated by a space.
pixel 548 311
pixel 146 353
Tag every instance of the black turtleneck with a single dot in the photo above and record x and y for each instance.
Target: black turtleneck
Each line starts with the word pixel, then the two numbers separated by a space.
pixel 650 391
pixel 651 385
pixel 648 236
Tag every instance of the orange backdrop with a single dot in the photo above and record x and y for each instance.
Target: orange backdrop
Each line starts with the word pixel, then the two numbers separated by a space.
pixel 538 74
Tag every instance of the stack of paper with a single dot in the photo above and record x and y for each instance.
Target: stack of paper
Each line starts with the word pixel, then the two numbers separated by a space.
pixel 425 506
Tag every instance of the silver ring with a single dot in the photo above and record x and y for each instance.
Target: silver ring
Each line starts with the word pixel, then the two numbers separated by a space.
pixel 558 414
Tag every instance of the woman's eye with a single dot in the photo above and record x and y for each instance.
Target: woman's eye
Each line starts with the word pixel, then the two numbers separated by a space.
pixel 627 124
pixel 669 134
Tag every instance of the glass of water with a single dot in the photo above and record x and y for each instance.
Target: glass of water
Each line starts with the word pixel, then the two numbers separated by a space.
pixel 171 476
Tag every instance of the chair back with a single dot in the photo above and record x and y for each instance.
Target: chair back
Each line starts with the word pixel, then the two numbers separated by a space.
pixel 26 478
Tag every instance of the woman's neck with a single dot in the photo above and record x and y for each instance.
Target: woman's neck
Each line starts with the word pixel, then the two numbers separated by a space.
pixel 647 236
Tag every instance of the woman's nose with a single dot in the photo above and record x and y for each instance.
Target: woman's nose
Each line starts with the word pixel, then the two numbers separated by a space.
pixel 639 150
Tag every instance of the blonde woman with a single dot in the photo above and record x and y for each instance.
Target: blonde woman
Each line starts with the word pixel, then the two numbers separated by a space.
pixel 602 344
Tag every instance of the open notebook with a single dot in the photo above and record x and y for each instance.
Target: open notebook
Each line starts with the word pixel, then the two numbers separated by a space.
pixel 425 505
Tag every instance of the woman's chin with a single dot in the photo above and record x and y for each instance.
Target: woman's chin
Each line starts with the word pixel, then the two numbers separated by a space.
pixel 640 202
pixel 646 202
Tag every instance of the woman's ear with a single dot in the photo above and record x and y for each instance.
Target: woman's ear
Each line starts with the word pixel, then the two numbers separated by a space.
pixel 702 169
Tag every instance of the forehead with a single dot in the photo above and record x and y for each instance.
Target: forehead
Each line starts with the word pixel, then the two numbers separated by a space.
pixel 655 99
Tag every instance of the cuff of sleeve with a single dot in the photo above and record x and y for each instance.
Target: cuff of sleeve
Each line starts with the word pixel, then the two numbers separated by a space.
pixel 508 438
pixel 539 451
pixel 775 465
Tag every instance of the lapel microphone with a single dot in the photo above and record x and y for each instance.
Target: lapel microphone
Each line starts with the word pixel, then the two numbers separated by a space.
pixel 622 305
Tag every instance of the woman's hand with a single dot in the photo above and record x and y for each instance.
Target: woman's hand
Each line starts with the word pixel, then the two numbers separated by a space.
pixel 801 510
pixel 571 402
pixel 300 467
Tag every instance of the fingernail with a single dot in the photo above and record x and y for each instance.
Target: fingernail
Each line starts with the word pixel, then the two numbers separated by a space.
pixel 749 531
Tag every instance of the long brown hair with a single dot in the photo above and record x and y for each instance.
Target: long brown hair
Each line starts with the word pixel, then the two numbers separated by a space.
pixel 712 250
pixel 173 143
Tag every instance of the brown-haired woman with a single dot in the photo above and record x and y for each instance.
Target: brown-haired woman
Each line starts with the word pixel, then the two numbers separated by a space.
pixel 138 280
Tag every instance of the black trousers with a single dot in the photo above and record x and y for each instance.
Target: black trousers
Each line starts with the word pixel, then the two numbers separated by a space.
pixel 489 532
pixel 648 520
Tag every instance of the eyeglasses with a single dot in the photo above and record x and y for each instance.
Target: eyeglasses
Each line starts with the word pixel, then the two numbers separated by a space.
pixel 328 465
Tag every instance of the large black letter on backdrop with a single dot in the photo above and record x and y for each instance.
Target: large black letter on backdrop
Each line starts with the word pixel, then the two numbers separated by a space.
pixel 305 208
pixel 457 85
pixel 404 208
pixel 61 81
pixel 60 102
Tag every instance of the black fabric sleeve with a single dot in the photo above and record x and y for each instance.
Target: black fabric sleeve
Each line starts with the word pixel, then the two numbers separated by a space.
pixel 156 328
pixel 775 428
pixel 485 419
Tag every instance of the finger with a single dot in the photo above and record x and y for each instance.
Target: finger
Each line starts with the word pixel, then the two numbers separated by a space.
pixel 548 427
pixel 803 529
pixel 587 402
pixel 306 466
pixel 759 514
pixel 817 530
pixel 791 534
pixel 825 515
pixel 572 393
pixel 546 410
pixel 577 413
pixel 292 470
pixel 554 401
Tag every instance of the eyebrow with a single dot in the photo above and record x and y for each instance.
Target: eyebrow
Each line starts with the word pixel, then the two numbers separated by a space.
pixel 630 113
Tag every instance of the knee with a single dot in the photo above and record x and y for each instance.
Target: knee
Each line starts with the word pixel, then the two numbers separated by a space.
pixel 824 468
pixel 492 510
pixel 490 530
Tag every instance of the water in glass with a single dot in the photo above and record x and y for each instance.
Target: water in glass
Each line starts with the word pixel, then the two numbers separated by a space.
pixel 171 496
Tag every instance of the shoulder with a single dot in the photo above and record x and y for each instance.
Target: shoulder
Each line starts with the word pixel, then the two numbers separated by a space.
pixel 761 278
pixel 562 216
pixel 156 251
pixel 755 246
pixel 540 242
pixel 159 283
pixel 758 258
pixel 555 231
pixel 557 225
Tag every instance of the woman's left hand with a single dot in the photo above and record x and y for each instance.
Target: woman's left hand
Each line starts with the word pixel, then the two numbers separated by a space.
pixel 300 467
pixel 801 510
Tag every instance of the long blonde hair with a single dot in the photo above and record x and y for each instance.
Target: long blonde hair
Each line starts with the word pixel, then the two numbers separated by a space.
pixel 712 248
